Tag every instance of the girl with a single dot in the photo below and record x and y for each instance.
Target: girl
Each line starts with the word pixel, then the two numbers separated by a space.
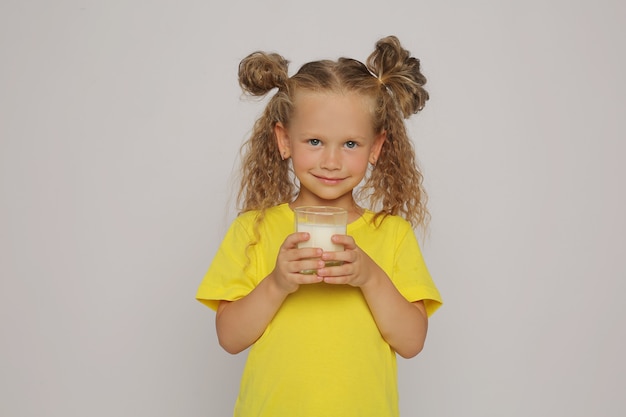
pixel 325 344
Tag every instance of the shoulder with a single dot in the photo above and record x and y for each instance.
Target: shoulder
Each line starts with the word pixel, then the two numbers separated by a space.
pixel 272 214
pixel 261 224
pixel 388 231
pixel 280 210
pixel 387 223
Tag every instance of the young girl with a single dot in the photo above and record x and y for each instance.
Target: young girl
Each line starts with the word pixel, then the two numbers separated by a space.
pixel 325 344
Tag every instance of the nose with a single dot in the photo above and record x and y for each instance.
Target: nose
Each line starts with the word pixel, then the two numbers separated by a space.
pixel 331 159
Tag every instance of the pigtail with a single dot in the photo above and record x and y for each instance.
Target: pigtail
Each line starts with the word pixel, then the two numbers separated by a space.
pixel 395 184
pixel 265 176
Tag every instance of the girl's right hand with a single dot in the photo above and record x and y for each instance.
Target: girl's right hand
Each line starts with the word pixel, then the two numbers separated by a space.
pixel 291 260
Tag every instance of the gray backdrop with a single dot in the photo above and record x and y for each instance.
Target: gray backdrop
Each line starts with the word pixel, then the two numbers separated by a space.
pixel 120 124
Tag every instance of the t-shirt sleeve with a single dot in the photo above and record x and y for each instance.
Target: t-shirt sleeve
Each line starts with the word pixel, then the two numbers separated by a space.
pixel 411 276
pixel 228 277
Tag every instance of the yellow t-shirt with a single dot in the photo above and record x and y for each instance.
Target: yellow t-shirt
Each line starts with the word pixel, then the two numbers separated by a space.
pixel 322 354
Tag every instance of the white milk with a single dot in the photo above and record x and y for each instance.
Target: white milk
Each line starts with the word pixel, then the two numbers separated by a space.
pixel 320 236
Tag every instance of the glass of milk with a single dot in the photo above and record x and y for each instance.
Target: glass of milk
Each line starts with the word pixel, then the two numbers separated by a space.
pixel 321 222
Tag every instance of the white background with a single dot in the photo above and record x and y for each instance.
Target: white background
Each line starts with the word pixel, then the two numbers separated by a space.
pixel 120 125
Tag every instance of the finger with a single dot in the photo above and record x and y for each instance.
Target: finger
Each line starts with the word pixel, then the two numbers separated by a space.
pixel 296 254
pixel 334 271
pixel 304 279
pixel 340 280
pixel 345 240
pixel 294 239
pixel 341 257
pixel 308 266
pixel 308 253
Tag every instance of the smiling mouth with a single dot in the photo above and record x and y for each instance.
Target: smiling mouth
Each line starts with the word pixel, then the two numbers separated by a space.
pixel 327 180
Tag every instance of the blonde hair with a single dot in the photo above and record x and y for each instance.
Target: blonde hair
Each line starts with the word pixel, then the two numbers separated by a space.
pixel 391 77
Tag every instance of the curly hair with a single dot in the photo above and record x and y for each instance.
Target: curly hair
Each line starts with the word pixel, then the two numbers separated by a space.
pixel 391 77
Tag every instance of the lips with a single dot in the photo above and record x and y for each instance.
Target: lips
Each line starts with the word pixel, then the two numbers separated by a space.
pixel 328 180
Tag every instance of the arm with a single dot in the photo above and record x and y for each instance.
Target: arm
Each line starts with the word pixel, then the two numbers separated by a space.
pixel 240 323
pixel 401 323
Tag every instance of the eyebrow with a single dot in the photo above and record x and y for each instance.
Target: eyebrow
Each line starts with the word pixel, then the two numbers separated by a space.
pixel 350 138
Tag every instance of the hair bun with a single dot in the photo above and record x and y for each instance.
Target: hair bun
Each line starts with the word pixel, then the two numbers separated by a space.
pixel 260 72
pixel 400 73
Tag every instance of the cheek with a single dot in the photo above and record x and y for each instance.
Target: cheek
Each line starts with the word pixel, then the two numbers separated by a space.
pixel 301 160
pixel 361 159
pixel 358 165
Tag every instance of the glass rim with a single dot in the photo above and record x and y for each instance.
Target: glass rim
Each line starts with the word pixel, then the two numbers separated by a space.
pixel 320 210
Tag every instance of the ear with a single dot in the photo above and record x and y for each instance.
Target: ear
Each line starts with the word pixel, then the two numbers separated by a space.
pixel 377 147
pixel 282 140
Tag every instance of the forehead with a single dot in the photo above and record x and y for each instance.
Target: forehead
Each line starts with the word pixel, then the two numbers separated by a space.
pixel 333 109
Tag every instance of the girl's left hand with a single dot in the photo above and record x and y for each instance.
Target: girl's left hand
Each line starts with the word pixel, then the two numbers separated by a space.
pixel 356 266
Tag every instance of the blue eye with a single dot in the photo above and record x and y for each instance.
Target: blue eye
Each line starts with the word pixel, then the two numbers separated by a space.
pixel 351 144
pixel 314 142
